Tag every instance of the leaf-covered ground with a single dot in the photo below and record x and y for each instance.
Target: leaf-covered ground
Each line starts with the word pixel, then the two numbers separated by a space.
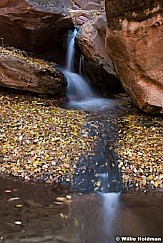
pixel 42 142
pixel 140 150
pixel 39 141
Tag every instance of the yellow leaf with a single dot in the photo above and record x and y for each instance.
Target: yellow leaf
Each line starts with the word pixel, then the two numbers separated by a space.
pixel 76 223
pixel 150 177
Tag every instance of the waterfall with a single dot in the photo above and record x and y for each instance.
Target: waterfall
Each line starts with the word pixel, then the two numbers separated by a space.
pixel 71 51
pixel 81 96
pixel 77 89
pixel 79 92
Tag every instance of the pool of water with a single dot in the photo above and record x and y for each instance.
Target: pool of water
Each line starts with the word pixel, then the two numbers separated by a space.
pixel 46 213
pixel 93 103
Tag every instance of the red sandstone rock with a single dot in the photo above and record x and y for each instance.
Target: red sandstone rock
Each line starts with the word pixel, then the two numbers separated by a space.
pixel 28 74
pixel 134 41
pixel 32 26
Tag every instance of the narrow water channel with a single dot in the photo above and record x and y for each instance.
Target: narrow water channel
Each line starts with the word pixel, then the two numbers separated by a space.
pixel 105 176
pixel 101 167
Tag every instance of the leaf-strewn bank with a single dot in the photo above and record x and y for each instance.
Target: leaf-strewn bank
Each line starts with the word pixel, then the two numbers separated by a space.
pixel 40 141
pixel 140 147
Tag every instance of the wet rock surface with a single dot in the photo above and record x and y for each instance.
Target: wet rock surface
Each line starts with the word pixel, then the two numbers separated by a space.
pixel 128 146
pixel 132 11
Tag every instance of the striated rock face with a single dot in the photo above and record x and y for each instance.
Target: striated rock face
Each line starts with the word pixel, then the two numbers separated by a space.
pixel 99 67
pixel 33 25
pixel 134 40
pixel 29 74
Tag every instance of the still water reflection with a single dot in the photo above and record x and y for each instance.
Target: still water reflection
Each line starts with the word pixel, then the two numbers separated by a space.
pixel 51 215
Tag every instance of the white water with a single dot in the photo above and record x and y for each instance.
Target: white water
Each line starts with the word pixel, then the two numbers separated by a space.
pixel 79 91
pixel 110 204
pixel 71 51
pixel 110 215
pixel 77 88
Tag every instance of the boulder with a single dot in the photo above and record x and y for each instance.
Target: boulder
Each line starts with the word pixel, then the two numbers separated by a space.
pixel 33 25
pixel 98 65
pixel 134 42
pixel 19 71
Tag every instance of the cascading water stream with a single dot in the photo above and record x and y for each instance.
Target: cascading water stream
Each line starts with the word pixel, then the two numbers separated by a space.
pixel 71 51
pixel 81 95
pixel 77 89
pixel 79 92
